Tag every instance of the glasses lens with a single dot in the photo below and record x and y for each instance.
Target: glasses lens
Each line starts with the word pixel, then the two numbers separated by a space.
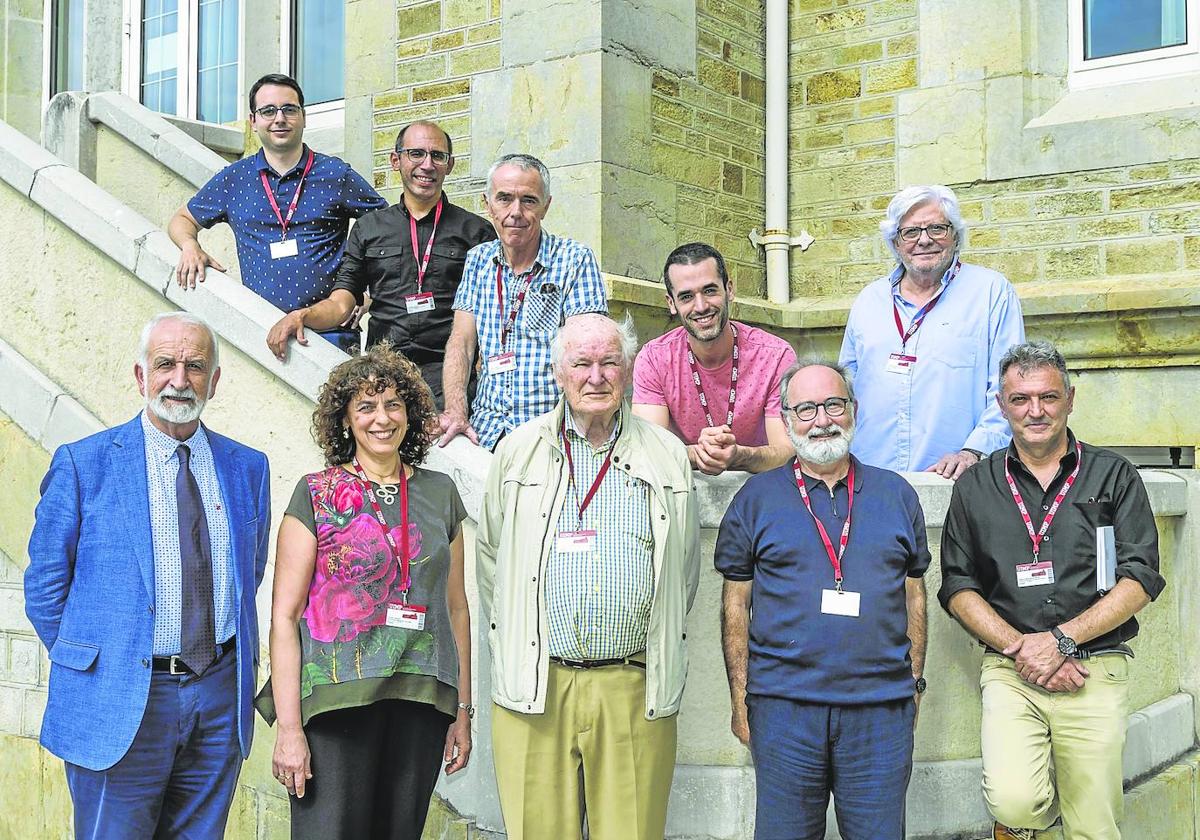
pixel 938 231
pixel 835 406
pixel 290 110
pixel 806 411
pixel 415 155
pixel 439 157
pixel 268 111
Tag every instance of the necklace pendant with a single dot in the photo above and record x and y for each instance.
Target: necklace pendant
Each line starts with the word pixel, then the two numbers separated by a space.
pixel 387 493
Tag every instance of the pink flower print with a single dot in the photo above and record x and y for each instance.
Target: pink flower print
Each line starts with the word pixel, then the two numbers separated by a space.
pixel 351 583
pixel 347 496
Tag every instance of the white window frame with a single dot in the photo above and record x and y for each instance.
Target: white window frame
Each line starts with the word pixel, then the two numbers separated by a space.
pixel 187 98
pixel 330 114
pixel 1130 67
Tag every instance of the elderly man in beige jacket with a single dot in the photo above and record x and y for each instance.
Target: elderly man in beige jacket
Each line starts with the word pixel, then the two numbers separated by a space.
pixel 587 566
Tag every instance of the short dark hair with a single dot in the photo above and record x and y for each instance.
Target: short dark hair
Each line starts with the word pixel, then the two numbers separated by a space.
pixel 276 79
pixel 691 254
pixel 1033 355
pixel 431 124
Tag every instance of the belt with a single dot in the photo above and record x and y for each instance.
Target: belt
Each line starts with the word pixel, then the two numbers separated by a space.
pixel 584 664
pixel 174 666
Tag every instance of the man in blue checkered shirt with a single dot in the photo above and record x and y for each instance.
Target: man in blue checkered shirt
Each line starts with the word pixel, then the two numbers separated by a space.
pixel 516 293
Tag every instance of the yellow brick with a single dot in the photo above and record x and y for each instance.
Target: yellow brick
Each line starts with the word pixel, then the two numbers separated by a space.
pixel 902 45
pixel 834 113
pixel 985 237
pixel 1152 198
pixel 1109 227
pixel 879 107
pixel 753 89
pixel 835 21
pixel 667 131
pixel 411 49
pixel 880 151
pixel 392 99
pixel 718 76
pixel 1073 263
pixel 833 86
pixel 824 138
pixel 1158 172
pixel 1177 221
pixel 1012 208
pixel 1036 234
pixel 448 41
pixel 441 91
pixel 891 9
pixel 420 70
pixel 475 60
pixel 454 106
pixel 466 13
pixel 1191 251
pixel 684 165
pixel 1017 266
pixel 870 131
pixel 891 76
pixel 731 178
pixel 858 53
pixel 1057 205
pixel 1145 257
pixel 418 20
pixel 671 110
pixel 486 32
pixel 664 84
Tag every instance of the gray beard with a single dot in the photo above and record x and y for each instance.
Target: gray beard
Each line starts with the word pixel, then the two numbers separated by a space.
pixel 176 414
pixel 822 450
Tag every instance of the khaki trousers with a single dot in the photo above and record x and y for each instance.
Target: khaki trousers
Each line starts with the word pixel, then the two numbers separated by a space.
pixel 1044 753
pixel 592 750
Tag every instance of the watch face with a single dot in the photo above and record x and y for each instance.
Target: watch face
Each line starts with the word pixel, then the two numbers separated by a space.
pixel 1067 646
pixel 921 685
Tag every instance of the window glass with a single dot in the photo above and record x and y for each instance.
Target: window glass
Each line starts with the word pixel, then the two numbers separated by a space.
pixel 68 46
pixel 160 55
pixel 319 49
pixel 1119 27
pixel 217 54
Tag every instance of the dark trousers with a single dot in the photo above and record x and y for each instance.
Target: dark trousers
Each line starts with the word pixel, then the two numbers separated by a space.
pixel 804 751
pixel 374 768
pixel 178 777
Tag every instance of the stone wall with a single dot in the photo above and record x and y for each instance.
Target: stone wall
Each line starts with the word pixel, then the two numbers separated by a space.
pixel 21 65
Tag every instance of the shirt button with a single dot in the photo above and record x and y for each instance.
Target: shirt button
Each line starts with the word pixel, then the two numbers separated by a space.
pixel 145 663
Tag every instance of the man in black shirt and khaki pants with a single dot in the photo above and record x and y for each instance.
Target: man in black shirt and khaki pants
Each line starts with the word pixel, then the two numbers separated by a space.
pixel 1019 572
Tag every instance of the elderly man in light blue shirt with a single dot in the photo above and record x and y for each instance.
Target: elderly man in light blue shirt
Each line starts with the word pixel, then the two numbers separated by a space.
pixel 923 344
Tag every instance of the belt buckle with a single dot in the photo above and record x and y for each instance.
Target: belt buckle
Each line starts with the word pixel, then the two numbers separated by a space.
pixel 178 669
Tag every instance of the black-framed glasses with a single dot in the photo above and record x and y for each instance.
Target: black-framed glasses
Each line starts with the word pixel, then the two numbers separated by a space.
pixel 912 234
pixel 268 112
pixel 438 157
pixel 834 407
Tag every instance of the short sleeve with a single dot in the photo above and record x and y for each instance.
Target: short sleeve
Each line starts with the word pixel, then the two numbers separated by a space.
pixel 457 512
pixel 359 197
pixel 734 553
pixel 647 378
pixel 586 292
pixel 920 559
pixel 301 507
pixel 774 405
pixel 466 298
pixel 351 274
pixel 211 204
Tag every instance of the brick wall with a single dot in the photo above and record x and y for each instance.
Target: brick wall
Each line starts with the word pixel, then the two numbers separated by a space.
pixel 707 136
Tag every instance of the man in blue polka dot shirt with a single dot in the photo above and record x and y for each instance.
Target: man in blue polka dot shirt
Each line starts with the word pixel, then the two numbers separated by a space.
pixel 289 207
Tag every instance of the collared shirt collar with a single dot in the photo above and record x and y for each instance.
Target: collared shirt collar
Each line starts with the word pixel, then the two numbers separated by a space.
pixel 404 207
pixel 573 427
pixel 858 476
pixel 260 162
pixel 1065 464
pixel 544 255
pixel 898 274
pixel 163 446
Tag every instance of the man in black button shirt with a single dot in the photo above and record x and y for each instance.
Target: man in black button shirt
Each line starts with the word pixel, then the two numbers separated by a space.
pixel 1019 553
pixel 409 256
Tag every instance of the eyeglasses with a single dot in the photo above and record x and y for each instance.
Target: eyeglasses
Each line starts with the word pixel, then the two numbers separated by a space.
pixel 912 234
pixel 834 407
pixel 268 112
pixel 438 157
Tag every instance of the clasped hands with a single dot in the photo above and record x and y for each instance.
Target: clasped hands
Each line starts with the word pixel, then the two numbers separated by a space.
pixel 715 450
pixel 1039 663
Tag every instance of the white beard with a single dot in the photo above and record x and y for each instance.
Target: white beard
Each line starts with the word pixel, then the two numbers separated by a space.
pixel 822 449
pixel 177 414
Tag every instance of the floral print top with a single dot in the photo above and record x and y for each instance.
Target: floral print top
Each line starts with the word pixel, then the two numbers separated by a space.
pixel 349 655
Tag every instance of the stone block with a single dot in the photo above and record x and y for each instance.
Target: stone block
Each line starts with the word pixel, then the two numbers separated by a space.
pixel 34 707
pixel 24 658
pixel 10 711
pixel 975 42
pixel 442 90
pixel 870 131
pixel 1071 263
pixel 839 20
pixel 824 138
pixel 458 13
pixel 421 19
pixel 1142 257
pixel 1006 209
pixel 858 53
pixel 421 70
pixel 901 45
pixel 562 30
pixel 1157 734
pixel 485 32
pixel 475 59
pixel 940 135
pixel 718 76
pixel 1179 221
pixel 754 89
pixel 1162 806
pixel 1034 234
pixel 892 76
pixel 448 41
pixel 1156 172
pixel 1154 197
pixel 732 178
pixel 412 48
pixel 1017 266
pixel 671 110
pixel 1058 205
pixel 1110 227
pixel 12 611
pixel 28 397
pixel 21 158
pixel 1191 251
pixel 69 421
pixel 684 165
pixel 833 86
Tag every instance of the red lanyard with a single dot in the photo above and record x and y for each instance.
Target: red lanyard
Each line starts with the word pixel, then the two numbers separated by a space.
pixel 1036 539
pixel 733 377
pixel 511 320
pixel 423 261
pixel 399 554
pixel 834 559
pixel 587 500
pixel 285 221
pixel 919 318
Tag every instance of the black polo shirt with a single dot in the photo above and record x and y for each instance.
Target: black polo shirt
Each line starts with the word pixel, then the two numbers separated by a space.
pixel 379 259
pixel 985 539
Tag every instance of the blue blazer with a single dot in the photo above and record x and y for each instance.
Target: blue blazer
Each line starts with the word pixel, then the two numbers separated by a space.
pixel 89 588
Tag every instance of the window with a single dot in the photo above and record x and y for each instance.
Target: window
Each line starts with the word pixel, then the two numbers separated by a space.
pixel 187 63
pixel 317 42
pixel 1115 41
pixel 66 62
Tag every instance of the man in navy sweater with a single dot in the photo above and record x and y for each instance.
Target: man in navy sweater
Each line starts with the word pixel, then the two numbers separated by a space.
pixel 825 678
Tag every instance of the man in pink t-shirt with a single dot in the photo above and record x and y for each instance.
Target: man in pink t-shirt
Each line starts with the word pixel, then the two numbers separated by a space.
pixel 713 382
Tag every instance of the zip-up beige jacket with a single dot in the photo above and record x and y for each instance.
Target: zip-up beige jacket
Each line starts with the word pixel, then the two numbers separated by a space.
pixel 526 489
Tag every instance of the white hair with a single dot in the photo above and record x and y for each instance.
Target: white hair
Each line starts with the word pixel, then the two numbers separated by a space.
pixel 910 197
pixel 524 162
pixel 624 330
pixel 183 318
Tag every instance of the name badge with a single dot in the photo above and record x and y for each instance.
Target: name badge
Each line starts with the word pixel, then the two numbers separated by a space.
pixel 839 603
pixel 502 362
pixel 1035 574
pixel 286 248
pixel 406 616
pixel 575 542
pixel 900 363
pixel 418 303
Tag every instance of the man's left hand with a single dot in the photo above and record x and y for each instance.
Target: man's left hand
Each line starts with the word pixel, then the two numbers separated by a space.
pixel 1036 657
pixel 954 464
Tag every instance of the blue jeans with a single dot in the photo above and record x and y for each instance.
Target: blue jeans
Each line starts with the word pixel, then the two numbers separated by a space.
pixel 178 777
pixel 804 751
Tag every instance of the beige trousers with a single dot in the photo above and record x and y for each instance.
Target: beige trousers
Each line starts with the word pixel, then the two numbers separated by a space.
pixel 592 748
pixel 1046 753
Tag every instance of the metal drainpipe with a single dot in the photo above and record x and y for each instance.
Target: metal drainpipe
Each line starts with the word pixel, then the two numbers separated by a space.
pixel 776 240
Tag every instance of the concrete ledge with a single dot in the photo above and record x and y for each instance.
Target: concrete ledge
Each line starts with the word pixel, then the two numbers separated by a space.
pixel 42 409
pixel 220 138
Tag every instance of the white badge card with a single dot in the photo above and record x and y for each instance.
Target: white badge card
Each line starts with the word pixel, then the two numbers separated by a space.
pixel 575 542
pixel 406 616
pixel 1035 574
pixel 502 362
pixel 286 248
pixel 422 302
pixel 900 363
pixel 844 603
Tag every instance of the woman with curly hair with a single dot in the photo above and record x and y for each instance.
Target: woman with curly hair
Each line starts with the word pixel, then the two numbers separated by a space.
pixel 370 632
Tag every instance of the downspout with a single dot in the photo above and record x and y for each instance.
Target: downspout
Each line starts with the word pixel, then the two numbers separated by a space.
pixel 776 240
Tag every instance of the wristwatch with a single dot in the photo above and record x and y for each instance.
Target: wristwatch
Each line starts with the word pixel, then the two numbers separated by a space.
pixel 1066 645
pixel 921 685
pixel 469 709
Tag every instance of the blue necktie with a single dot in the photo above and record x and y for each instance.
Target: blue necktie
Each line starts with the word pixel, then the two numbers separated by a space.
pixel 197 636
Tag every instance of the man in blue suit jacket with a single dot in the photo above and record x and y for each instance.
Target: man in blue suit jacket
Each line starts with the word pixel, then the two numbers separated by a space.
pixel 149 544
